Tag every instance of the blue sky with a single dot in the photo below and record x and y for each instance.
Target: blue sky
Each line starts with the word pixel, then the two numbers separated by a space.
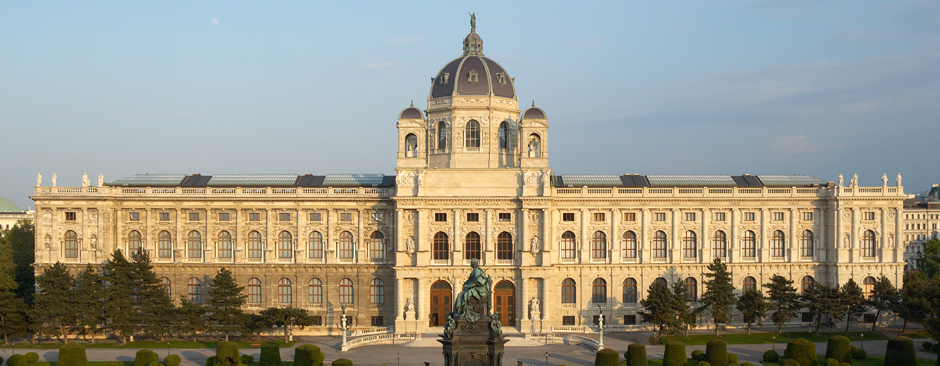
pixel 315 87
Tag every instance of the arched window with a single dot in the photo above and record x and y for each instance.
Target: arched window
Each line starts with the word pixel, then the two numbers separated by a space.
pixel 504 246
pixel 315 246
pixel 441 249
pixel 719 244
pixel 134 243
pixel 194 244
pixel 165 282
pixel 748 244
pixel 71 244
pixel 599 245
pixel 567 245
pixel 346 246
pixel 628 243
pixel 503 136
pixel 691 289
pixel 535 146
pixel 749 283
pixel 471 246
pixel 195 290
pixel 377 291
pixel 806 283
pixel 346 291
pixel 285 293
pixel 285 245
pixel 661 281
pixel 629 291
pixel 599 291
pixel 472 135
pixel 568 291
pixel 777 244
pixel 868 286
pixel 377 246
pixel 225 245
pixel 411 146
pixel 164 245
pixel 254 244
pixel 315 291
pixel 806 244
pixel 441 135
pixel 254 291
pixel 689 245
pixel 868 244
pixel 659 244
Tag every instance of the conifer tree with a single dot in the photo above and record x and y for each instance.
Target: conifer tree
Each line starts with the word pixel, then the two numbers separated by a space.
pixel 754 307
pixel 659 309
pixel 719 297
pixel 884 297
pixel 914 305
pixel 853 303
pixel 191 317
pixel 682 310
pixel 54 310
pixel 89 301
pixel 287 317
pixel 783 300
pixel 929 259
pixel 119 302
pixel 225 303
pixel 12 309
pixel 19 241
pixel 825 303
pixel 151 301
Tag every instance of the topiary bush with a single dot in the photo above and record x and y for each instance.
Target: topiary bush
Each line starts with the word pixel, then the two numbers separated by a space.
pixel 802 351
pixel 698 355
pixel 771 356
pixel 247 359
pixel 636 355
pixel 16 360
pixel 703 363
pixel 832 362
pixel 790 362
pixel 270 354
pixel 732 358
pixel 32 357
pixel 345 362
pixel 604 357
pixel 859 354
pixel 845 364
pixel 674 355
pixel 72 354
pixel 310 355
pixel 211 361
pixel 839 348
pixel 172 360
pixel 155 363
pixel 144 357
pixel 227 353
pixel 927 345
pixel 900 352
pixel 716 352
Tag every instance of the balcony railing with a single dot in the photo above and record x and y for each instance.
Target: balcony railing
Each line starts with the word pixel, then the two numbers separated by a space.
pixel 218 192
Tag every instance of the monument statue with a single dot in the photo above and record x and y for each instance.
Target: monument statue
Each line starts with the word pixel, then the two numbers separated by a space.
pixel 472 335
pixel 476 289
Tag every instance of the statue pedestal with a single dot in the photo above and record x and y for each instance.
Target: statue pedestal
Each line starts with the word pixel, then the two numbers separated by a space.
pixel 474 344
pixel 408 325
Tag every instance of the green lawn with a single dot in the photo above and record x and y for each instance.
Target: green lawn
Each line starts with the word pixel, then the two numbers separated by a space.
pixel 759 338
pixel 154 345
pixel 870 361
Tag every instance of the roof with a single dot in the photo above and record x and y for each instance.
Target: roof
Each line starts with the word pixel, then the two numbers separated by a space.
pixel 685 180
pixel 410 113
pixel 8 206
pixel 456 75
pixel 255 180
pixel 533 113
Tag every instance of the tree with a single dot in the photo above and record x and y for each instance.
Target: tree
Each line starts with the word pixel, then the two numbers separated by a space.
pixel 685 315
pixel 151 301
pixel 254 324
pixel 719 297
pixel 783 300
pixel 754 307
pixel 191 317
pixel 287 318
pixel 853 303
pixel 929 259
pixel 825 303
pixel 54 309
pixel 913 305
pixel 884 297
pixel 20 241
pixel 12 309
pixel 119 302
pixel 660 307
pixel 225 302
pixel 88 295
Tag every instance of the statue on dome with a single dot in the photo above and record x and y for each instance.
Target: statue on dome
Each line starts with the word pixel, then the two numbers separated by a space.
pixel 473 22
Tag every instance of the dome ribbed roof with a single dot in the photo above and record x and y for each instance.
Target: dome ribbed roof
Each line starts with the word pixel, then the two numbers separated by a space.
pixel 411 113
pixel 473 74
pixel 533 113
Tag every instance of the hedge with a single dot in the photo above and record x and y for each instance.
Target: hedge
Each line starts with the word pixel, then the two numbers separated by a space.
pixel 859 354
pixel 802 351
pixel 732 358
pixel 211 361
pixel 716 352
pixel 771 356
pixel 155 363
pixel 604 357
pixel 310 355
pixel 270 354
pixel 703 363
pixel 32 357
pixel 345 362
pixel 72 354
pixel 832 362
pixel 144 357
pixel 247 359
pixel 698 355
pixel 16 360
pixel 839 348
pixel 789 362
pixel 747 364
pixel 674 355
pixel 900 352
pixel 172 360
pixel 636 355
pixel 845 364
pixel 227 353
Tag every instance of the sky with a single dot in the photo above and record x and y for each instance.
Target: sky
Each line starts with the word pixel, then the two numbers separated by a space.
pixel 211 87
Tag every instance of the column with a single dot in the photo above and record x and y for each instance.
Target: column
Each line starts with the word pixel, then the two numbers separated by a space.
pixel 898 244
pixel 523 238
pixel 794 241
pixel 422 303
pixel 583 239
pixel 546 238
pixel 853 253
pixel 521 302
pixel 884 236
pixel 706 253
pixel 615 251
pixel 762 249
pixel 645 254
pixel 734 254
pixel 674 242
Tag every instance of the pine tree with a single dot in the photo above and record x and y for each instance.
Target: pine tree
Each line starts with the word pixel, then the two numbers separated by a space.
pixel 914 306
pixel 682 310
pixel 853 303
pixel 287 317
pixel 719 297
pixel 191 317
pixel 89 301
pixel 660 309
pixel 225 303
pixel 825 303
pixel 12 309
pixel 884 297
pixel 783 300
pixel 929 259
pixel 20 241
pixel 119 302
pixel 54 308
pixel 151 301
pixel 754 307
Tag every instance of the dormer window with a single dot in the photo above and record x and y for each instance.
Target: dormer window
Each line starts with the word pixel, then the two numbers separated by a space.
pixel 445 76
pixel 501 78
pixel 473 76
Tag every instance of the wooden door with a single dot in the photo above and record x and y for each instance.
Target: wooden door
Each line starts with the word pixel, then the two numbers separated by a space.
pixel 441 300
pixel 504 302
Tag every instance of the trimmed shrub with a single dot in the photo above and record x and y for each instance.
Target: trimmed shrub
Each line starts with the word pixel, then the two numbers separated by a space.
pixel 716 352
pixel 734 364
pixel 674 355
pixel 698 355
pixel 310 355
pixel 270 354
pixel 247 359
pixel 636 355
pixel 227 353
pixel 604 357
pixel 1 360
pixel 900 352
pixel 172 360
pixel 789 362
pixel 927 345
pixel 839 348
pixel 859 354
pixel 747 364
pixel 345 362
pixel 155 363
pixel 802 351
pixel 732 358
pixel 771 356
pixel 845 364
pixel 144 357
pixel 32 357
pixel 703 363
pixel 832 362
pixel 72 354
pixel 16 360
pixel 210 361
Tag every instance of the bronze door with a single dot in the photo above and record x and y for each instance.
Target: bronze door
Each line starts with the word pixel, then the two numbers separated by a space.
pixel 504 302
pixel 441 302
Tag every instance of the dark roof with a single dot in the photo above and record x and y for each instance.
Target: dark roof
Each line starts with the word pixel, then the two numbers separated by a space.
pixel 684 180
pixel 456 74
pixel 257 180
pixel 411 113
pixel 533 113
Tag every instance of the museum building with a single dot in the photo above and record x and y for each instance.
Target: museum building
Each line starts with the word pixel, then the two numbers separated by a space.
pixel 473 181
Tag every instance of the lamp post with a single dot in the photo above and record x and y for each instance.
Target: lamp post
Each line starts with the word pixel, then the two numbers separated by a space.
pixel 600 328
pixel 399 359
pixel 167 348
pixel 546 358
pixel 343 323
pixel 774 342
pixel 863 341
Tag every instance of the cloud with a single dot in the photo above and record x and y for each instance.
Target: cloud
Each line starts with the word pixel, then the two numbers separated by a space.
pixel 214 21
pixel 398 41
pixel 380 66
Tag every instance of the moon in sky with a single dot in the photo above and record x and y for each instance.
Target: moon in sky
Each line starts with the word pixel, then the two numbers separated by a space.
pixel 214 21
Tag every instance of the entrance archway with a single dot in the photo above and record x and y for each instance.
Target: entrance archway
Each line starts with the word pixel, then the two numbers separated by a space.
pixel 504 302
pixel 441 301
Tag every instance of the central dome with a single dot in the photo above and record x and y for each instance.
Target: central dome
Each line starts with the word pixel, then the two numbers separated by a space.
pixel 472 74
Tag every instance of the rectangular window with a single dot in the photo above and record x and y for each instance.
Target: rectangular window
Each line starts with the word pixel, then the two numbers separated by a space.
pixel 596 319
pixel 378 216
pixel 629 320
pixel 377 321
pixel 719 216
pixel 807 216
pixel 473 217
pixel 505 217
pixel 690 216
pixel 283 216
pixel 567 320
pixel 779 216
pixel 164 216
pixel 316 320
pixel 749 216
pixel 629 216
pixel 600 216
pixel 870 215
pixel 567 216
pixel 441 216
pixel 193 216
pixel 225 216
pixel 70 216
pixel 254 216
pixel 345 216
pixel 133 216
pixel 315 216
pixel 659 216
